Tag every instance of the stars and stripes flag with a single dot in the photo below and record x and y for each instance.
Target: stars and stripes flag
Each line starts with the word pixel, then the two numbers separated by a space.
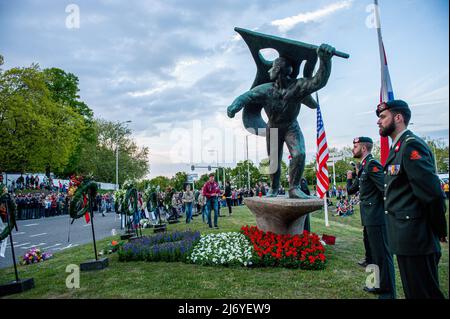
pixel 322 157
pixel 386 92
pixel 323 182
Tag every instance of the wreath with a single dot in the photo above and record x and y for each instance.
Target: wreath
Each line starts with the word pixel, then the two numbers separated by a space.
pixel 83 198
pixel 5 199
pixel 131 200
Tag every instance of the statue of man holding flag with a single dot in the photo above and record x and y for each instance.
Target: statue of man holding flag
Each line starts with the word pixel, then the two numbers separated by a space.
pixel 281 95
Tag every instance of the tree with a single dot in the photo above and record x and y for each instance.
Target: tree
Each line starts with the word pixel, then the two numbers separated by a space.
pixel 440 152
pixel 239 175
pixel 37 133
pixel 162 181
pixel 64 90
pixel 264 166
pixel 133 160
pixel 177 181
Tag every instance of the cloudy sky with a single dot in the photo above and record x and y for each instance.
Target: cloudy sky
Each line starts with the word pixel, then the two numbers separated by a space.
pixel 173 67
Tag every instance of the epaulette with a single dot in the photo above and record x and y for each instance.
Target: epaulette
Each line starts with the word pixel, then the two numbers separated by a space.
pixel 409 138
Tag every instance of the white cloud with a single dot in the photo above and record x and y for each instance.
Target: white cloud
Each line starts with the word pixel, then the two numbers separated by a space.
pixel 288 23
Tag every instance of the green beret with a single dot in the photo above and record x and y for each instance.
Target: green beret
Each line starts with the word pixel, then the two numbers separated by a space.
pixel 398 105
pixel 362 139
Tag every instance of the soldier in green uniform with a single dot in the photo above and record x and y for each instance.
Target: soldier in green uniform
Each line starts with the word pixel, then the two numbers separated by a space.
pixel 370 184
pixel 413 202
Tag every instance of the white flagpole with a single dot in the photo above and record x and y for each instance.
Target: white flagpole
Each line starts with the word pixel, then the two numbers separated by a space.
pixel 325 205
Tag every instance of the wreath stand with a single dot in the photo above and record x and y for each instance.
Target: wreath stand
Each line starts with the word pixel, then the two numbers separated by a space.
pixel 18 285
pixel 97 264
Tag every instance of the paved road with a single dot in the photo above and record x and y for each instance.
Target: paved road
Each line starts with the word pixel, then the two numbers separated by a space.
pixel 50 234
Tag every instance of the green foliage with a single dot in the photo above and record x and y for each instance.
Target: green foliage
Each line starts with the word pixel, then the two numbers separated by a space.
pixel 239 174
pixel 440 152
pixel 162 181
pixel 264 170
pixel 37 132
pixel 177 181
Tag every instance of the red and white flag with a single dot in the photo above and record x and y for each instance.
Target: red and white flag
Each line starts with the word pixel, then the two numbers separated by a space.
pixel 386 92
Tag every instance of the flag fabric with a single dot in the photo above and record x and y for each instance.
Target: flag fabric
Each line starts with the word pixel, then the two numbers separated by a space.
pixel 322 156
pixel 85 202
pixel 386 92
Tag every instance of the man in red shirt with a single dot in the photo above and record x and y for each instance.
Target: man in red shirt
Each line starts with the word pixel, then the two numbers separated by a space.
pixel 211 191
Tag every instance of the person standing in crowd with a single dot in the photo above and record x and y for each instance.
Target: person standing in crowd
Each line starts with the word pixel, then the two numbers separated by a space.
pixel 202 206
pixel 188 198
pixel 414 203
pixel 228 194
pixel 211 191
pixel 369 182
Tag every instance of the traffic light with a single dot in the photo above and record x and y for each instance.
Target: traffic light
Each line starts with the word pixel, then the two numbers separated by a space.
pixel 192 167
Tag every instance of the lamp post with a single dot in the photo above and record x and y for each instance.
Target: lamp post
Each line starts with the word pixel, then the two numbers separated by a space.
pixel 117 164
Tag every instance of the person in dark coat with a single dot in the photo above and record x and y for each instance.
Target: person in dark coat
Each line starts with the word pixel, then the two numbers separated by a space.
pixel 414 203
pixel 369 182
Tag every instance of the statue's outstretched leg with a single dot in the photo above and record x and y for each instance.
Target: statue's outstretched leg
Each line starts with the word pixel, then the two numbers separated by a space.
pixel 296 145
pixel 275 142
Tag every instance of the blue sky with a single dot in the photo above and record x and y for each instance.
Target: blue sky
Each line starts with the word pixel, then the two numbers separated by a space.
pixel 164 64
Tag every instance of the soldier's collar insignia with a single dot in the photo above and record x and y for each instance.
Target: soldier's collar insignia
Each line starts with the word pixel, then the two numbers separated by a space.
pixel 364 163
pixel 415 156
pixel 397 147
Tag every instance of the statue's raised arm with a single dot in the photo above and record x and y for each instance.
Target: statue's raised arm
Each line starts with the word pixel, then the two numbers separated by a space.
pixel 306 86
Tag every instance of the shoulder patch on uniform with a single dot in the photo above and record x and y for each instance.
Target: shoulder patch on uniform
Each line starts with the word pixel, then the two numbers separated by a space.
pixel 415 155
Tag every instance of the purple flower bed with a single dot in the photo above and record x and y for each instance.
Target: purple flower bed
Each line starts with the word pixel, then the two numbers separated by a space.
pixel 161 247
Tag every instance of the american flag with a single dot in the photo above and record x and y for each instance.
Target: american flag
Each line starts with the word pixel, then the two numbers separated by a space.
pixel 386 92
pixel 322 156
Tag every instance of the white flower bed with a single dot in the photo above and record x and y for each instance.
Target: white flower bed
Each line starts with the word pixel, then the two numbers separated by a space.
pixel 222 249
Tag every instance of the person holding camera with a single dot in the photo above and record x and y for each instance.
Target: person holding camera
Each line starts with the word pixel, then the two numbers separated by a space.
pixel 369 182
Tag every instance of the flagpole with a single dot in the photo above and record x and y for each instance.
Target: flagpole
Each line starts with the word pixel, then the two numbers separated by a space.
pixel 386 84
pixel 325 205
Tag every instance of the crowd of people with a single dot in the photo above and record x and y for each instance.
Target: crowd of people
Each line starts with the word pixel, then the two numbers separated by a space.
pixel 32 182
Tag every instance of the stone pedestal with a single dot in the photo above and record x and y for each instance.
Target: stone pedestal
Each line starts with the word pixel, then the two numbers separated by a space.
pixel 282 215
pixel 95 264
pixel 16 287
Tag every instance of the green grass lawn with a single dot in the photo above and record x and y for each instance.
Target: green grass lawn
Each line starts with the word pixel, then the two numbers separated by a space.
pixel 342 278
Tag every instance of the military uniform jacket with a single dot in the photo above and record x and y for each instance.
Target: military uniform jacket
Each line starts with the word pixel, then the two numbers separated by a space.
pixel 370 182
pixel 414 202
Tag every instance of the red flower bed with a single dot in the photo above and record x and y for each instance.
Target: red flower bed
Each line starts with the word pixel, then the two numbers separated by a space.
pixel 299 251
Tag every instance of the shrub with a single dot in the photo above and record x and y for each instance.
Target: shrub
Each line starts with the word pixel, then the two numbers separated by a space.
pixel 222 249
pixel 161 247
pixel 303 251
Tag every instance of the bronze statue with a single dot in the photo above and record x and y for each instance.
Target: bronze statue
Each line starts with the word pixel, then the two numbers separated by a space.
pixel 277 90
